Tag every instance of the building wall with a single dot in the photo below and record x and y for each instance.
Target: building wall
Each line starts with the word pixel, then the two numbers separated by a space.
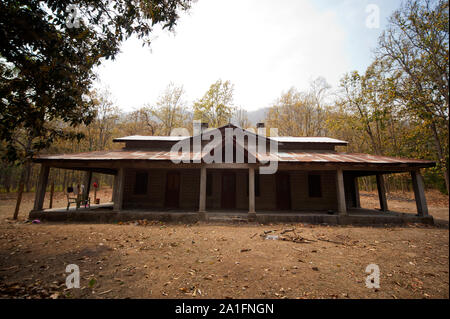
pixel 156 188
pixel 241 189
pixel 214 200
pixel 300 199
pixel 267 199
pixel 190 190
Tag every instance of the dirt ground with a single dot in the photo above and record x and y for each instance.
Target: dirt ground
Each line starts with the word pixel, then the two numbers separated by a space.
pixel 223 261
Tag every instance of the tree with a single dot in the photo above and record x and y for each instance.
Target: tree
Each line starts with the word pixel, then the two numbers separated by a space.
pixel 241 118
pixel 298 113
pixel 170 110
pixel 139 122
pixel 216 106
pixel 365 100
pixel 47 53
pixel 99 132
pixel 416 46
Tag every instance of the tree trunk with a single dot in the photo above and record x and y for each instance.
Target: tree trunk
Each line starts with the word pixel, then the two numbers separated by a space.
pixel 28 178
pixel 446 179
pixel 52 190
pixel 26 167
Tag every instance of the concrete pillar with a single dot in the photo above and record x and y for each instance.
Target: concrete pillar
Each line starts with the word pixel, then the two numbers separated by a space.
pixel 87 184
pixel 114 188
pixel 40 189
pixel 357 197
pixel 118 189
pixel 419 193
pixel 202 199
pixel 382 193
pixel 251 193
pixel 340 190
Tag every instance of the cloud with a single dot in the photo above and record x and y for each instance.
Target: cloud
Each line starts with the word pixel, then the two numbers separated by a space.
pixel 263 47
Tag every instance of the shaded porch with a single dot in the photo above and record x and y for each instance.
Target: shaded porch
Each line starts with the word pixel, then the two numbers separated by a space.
pixel 332 196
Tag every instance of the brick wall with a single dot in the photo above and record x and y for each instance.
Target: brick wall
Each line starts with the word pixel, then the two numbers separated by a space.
pixel 156 187
pixel 268 192
pixel 300 199
pixel 189 188
pixel 213 201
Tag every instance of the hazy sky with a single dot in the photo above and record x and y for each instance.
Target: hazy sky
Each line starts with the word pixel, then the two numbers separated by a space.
pixel 263 47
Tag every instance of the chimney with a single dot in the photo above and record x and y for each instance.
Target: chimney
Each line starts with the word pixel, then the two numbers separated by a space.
pixel 260 129
pixel 198 127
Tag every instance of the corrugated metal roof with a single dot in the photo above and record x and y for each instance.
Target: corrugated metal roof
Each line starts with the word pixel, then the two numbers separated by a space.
pixel 293 157
pixel 282 139
pixel 334 157
pixel 149 138
pixel 295 139
pixel 114 155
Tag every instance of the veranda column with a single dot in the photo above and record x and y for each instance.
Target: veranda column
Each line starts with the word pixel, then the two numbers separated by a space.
pixel 251 193
pixel 357 198
pixel 40 189
pixel 118 189
pixel 382 193
pixel 419 193
pixel 87 184
pixel 342 208
pixel 202 200
pixel 114 188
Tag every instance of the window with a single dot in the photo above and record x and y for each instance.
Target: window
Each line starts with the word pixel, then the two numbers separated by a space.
pixel 314 186
pixel 256 184
pixel 209 184
pixel 140 186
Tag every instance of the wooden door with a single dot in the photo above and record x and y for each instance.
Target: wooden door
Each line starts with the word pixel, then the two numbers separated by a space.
pixel 228 190
pixel 283 191
pixel 172 190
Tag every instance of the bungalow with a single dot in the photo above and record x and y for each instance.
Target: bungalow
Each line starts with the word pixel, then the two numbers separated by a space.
pixel 244 171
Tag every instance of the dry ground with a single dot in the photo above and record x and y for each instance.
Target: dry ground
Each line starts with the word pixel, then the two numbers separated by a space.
pixel 223 261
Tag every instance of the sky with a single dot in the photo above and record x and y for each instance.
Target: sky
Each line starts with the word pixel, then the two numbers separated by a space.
pixel 263 47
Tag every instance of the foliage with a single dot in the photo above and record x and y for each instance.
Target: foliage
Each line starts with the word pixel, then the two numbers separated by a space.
pixel 415 47
pixel 170 110
pixel 216 106
pixel 47 54
pixel 399 106
pixel 300 113
pixel 46 62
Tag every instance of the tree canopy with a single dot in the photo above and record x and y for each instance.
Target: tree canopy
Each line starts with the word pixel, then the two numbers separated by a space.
pixel 47 53
pixel 216 106
pixel 48 50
